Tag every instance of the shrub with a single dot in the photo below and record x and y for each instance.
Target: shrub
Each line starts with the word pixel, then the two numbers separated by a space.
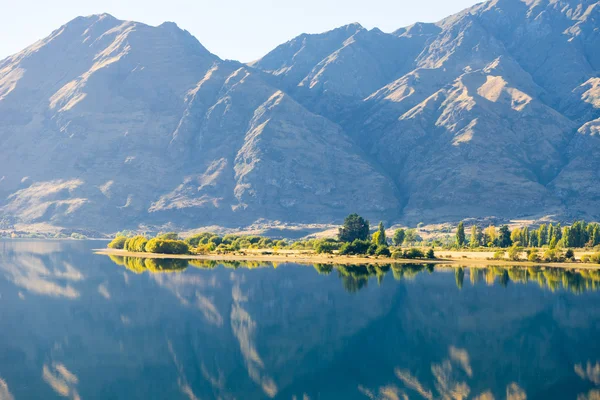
pixel 430 254
pixel 514 252
pixel 551 255
pixel 397 254
pixel 356 247
pixel 117 243
pixel 499 255
pixel 595 258
pixel 205 248
pixel 325 246
pixel 372 249
pixel 382 251
pixel 570 255
pixel 413 253
pixel 585 259
pixel 165 246
pixel 533 256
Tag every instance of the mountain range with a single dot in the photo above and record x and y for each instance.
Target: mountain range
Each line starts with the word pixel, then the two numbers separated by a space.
pixel 494 111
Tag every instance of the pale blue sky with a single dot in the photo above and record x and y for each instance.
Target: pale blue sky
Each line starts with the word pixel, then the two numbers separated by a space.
pixel 237 29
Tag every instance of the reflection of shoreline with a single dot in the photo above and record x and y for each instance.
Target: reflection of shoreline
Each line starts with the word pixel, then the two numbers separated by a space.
pixel 336 259
pixel 356 277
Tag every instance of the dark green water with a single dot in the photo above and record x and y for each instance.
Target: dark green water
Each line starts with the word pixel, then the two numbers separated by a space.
pixel 78 325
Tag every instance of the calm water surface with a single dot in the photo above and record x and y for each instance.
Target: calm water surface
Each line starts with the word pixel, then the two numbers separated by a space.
pixel 81 326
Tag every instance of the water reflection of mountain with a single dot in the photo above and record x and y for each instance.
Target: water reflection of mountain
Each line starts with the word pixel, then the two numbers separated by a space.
pixel 207 331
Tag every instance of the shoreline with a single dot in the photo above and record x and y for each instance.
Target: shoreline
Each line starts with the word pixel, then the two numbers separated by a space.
pixel 346 260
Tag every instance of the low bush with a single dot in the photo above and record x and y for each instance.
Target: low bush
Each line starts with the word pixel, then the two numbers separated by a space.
pixel 533 256
pixel 499 255
pixel 397 254
pixel 413 253
pixel 383 251
pixel 205 248
pixel 514 252
pixel 594 258
pixel 165 246
pixel 356 247
pixel 326 246
pixel 553 255
pixel 430 254
pixel 117 243
pixel 372 249
pixel 570 255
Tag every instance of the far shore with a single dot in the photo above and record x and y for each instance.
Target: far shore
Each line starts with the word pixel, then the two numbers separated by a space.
pixel 447 258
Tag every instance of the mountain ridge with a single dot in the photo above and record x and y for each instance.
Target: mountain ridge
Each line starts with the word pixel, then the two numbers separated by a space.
pixel 490 112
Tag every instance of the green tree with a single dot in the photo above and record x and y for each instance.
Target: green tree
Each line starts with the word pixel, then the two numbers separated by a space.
pixel 379 235
pixel 490 235
pixel 117 243
pixel 504 236
pixel 165 246
pixel 411 236
pixel 398 238
pixel 542 235
pixel 474 241
pixel 355 227
pixel 460 234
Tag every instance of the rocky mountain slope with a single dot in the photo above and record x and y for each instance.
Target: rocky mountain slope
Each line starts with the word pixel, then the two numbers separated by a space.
pixel 493 111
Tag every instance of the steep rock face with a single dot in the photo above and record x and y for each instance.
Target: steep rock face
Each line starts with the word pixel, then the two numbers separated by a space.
pixel 145 125
pixel 484 121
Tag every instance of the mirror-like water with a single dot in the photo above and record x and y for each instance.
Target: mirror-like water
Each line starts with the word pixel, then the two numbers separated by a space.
pixel 82 326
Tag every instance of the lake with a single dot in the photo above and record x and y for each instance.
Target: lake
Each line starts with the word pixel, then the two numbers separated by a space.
pixel 77 325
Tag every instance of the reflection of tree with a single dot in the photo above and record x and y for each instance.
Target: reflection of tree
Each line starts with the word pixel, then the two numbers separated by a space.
pixel 356 277
pixel 323 269
pixel 576 281
pixel 590 373
pixel 407 271
pixel 459 275
pixel 140 265
pixel 451 378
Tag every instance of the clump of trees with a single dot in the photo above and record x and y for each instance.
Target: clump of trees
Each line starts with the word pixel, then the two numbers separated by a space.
pixel 136 244
pixel 141 244
pixel 355 228
pixel 117 243
pixel 167 246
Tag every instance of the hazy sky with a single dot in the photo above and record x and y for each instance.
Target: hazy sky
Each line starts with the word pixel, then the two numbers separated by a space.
pixel 237 29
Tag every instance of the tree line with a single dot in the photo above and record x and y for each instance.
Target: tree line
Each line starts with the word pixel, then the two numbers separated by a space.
pixel 580 234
